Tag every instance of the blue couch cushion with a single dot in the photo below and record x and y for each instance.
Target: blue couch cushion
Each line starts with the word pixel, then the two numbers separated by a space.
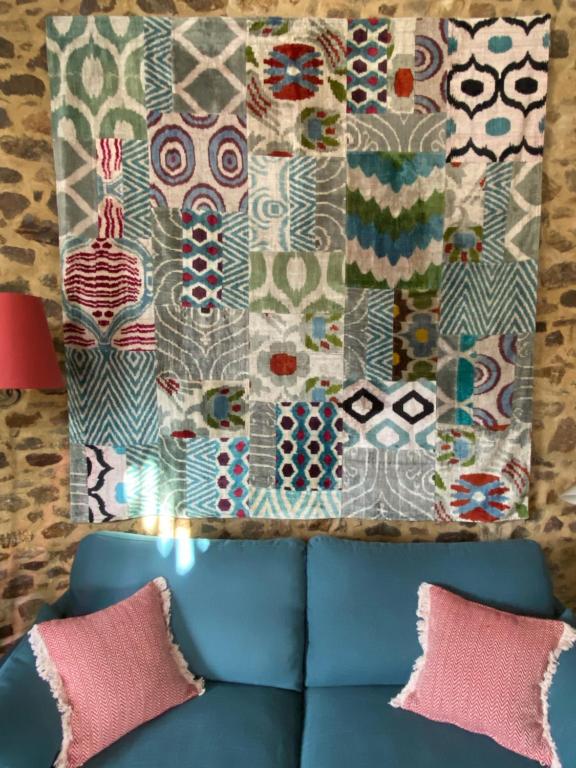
pixel 362 599
pixel 231 726
pixel 238 607
pixel 355 727
pixel 30 730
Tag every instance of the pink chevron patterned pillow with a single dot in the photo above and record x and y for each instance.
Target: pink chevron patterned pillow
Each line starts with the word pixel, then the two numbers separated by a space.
pixel 112 670
pixel 487 671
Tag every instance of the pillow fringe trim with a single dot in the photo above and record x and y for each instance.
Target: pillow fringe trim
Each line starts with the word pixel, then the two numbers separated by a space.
pixel 49 672
pixel 166 598
pixel 423 614
pixel 566 642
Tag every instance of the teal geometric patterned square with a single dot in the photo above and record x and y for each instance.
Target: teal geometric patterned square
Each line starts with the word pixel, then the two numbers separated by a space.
pixel 484 299
pixel 112 396
pixel 308 446
pixel 203 262
pixel 201 474
pixel 209 65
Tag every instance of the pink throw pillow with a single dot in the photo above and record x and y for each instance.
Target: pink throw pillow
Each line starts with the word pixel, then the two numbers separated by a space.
pixel 112 670
pixel 487 671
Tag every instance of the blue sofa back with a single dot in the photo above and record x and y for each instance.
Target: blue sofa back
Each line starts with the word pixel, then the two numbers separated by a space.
pixel 362 600
pixel 238 607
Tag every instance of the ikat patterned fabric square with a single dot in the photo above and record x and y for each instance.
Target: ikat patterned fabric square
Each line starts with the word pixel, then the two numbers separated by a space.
pixel 299 263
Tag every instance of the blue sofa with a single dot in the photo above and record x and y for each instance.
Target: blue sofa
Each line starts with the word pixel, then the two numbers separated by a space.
pixel 302 645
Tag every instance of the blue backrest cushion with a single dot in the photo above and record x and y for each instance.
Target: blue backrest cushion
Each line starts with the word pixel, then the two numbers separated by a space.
pixel 238 607
pixel 362 599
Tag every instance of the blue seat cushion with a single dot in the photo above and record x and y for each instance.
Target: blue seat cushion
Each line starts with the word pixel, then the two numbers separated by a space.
pixel 362 599
pixel 230 726
pixel 355 727
pixel 238 607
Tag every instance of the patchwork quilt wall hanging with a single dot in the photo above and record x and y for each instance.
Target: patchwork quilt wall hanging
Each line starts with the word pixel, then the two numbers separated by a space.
pixel 299 263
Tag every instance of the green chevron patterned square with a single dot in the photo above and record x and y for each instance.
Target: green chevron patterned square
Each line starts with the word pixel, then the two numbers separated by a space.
pixel 394 217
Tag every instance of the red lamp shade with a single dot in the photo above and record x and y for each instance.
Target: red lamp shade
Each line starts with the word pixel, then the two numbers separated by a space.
pixel 27 357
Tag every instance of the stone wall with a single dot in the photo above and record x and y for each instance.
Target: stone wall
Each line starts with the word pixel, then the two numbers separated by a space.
pixel 37 540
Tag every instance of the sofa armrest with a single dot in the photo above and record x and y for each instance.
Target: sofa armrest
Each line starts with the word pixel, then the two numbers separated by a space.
pixel 31 729
pixel 562 702
pixel 57 610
